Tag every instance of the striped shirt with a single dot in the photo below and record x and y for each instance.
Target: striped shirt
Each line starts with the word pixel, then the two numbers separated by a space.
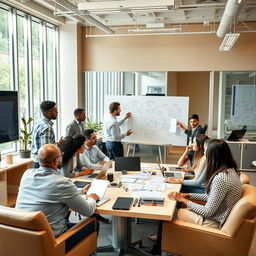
pixel 42 134
pixel 225 191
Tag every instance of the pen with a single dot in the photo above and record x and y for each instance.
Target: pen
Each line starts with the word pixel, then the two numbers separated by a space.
pixel 139 202
pixel 125 188
pixel 135 202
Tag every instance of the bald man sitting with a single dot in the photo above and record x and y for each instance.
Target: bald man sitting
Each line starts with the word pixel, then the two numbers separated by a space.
pixel 43 190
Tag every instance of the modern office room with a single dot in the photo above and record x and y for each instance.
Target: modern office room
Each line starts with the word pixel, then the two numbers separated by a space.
pixel 189 56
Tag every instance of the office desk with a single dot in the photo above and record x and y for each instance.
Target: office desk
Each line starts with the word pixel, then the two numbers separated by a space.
pixel 121 221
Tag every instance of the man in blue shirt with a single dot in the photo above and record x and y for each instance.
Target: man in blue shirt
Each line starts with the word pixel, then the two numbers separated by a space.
pixel 93 157
pixel 44 190
pixel 112 131
pixel 43 132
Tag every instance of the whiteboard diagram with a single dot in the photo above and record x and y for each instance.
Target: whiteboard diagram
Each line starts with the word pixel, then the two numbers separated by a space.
pixel 243 111
pixel 151 117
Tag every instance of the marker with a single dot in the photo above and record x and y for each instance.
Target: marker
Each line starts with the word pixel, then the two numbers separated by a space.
pixel 139 203
pixel 135 202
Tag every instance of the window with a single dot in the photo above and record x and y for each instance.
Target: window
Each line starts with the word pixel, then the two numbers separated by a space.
pixel 28 61
pixel 239 105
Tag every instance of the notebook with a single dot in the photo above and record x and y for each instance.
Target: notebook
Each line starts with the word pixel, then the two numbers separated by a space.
pixel 127 163
pixel 98 187
pixel 123 203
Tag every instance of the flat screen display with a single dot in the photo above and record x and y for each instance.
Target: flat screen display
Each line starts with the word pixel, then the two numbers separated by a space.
pixel 127 163
pixel 9 122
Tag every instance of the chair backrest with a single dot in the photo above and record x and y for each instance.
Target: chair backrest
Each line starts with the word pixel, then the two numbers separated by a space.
pixel 33 221
pixel 244 179
pixel 205 128
pixel 244 209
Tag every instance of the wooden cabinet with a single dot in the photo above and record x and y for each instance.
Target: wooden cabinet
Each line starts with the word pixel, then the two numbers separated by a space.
pixel 244 152
pixel 10 176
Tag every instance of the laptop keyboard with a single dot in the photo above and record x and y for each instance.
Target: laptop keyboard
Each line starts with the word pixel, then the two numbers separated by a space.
pixel 94 175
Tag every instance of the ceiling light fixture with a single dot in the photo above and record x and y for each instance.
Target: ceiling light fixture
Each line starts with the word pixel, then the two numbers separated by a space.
pixel 228 41
pixel 154 30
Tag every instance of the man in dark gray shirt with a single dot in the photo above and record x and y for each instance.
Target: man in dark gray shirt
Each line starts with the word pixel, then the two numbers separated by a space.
pixel 76 126
pixel 43 190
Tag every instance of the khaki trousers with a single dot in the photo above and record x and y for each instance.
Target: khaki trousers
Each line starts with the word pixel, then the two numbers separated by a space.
pixel 191 217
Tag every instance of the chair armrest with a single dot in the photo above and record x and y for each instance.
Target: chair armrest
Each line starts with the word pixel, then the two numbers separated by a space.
pixel 199 228
pixel 74 229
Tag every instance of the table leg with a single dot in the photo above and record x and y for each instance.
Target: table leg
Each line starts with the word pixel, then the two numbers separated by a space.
pixel 121 239
pixel 160 155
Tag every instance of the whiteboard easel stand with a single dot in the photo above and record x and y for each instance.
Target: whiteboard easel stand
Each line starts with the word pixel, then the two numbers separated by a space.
pixel 159 150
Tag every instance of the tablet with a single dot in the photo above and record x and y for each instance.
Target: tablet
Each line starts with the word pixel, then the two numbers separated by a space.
pixel 81 184
pixel 122 203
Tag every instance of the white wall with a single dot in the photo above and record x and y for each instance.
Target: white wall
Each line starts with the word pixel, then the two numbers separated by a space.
pixel 69 82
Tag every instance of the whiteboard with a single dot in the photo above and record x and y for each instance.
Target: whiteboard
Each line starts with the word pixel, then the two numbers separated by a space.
pixel 243 111
pixel 151 118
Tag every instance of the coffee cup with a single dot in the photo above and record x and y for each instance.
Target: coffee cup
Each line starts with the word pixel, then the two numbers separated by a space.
pixel 9 158
pixel 110 177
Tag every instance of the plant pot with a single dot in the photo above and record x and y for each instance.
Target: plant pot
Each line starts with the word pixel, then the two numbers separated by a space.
pixel 25 154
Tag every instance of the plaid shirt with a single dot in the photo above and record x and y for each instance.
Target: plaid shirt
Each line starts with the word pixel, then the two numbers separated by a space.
pixel 42 134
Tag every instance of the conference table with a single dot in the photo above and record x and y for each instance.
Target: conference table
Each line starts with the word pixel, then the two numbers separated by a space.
pixel 121 220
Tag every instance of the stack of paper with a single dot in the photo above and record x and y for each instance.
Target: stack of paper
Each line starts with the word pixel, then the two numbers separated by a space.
pixel 148 195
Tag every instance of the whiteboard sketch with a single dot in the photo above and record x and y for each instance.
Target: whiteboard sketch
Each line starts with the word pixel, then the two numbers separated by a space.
pixel 243 110
pixel 151 117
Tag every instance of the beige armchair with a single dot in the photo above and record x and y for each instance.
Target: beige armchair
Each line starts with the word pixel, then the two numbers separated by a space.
pixel 29 233
pixel 234 239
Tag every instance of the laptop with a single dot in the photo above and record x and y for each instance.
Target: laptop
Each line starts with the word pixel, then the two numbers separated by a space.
pixel 167 174
pixel 127 163
pixel 102 172
pixel 236 135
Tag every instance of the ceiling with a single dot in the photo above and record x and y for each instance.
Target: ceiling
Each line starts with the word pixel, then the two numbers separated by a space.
pixel 151 16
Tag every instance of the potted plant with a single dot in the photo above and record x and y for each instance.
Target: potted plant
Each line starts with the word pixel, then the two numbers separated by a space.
pixel 25 138
pixel 90 124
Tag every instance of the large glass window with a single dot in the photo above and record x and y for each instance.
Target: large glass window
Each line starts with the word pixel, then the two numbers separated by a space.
pixel 239 104
pixel 36 64
pixel 51 62
pixel 28 51
pixel 5 82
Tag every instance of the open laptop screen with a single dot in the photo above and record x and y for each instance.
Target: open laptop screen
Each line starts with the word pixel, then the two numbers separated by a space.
pixel 127 163
pixel 236 135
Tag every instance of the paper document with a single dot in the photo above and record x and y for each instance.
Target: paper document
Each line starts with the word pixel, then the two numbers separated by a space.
pixel 98 187
pixel 173 127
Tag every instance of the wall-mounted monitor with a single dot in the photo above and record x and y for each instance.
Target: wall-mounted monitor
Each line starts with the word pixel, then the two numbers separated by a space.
pixel 9 121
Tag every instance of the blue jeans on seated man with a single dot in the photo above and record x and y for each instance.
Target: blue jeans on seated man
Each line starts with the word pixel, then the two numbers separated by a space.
pixel 115 148
pixel 82 233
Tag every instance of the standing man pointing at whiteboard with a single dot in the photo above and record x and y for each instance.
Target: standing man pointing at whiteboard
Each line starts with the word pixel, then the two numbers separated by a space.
pixel 112 132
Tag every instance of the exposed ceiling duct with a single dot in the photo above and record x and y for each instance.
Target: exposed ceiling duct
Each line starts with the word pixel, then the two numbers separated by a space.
pixel 84 15
pixel 228 18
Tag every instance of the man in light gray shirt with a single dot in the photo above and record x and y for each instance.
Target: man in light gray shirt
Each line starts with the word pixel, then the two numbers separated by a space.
pixel 76 126
pixel 112 132
pixel 93 157
pixel 43 190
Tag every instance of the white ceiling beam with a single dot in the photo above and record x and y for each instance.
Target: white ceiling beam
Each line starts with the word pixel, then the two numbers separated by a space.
pixel 124 4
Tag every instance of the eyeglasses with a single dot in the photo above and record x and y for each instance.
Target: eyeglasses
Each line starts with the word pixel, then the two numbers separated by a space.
pixel 61 155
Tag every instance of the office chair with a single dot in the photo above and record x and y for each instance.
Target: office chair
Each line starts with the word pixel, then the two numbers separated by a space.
pixel 29 233
pixel 233 239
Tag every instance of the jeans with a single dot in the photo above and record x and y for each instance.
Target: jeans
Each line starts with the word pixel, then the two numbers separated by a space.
pixel 36 165
pixel 79 235
pixel 115 149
